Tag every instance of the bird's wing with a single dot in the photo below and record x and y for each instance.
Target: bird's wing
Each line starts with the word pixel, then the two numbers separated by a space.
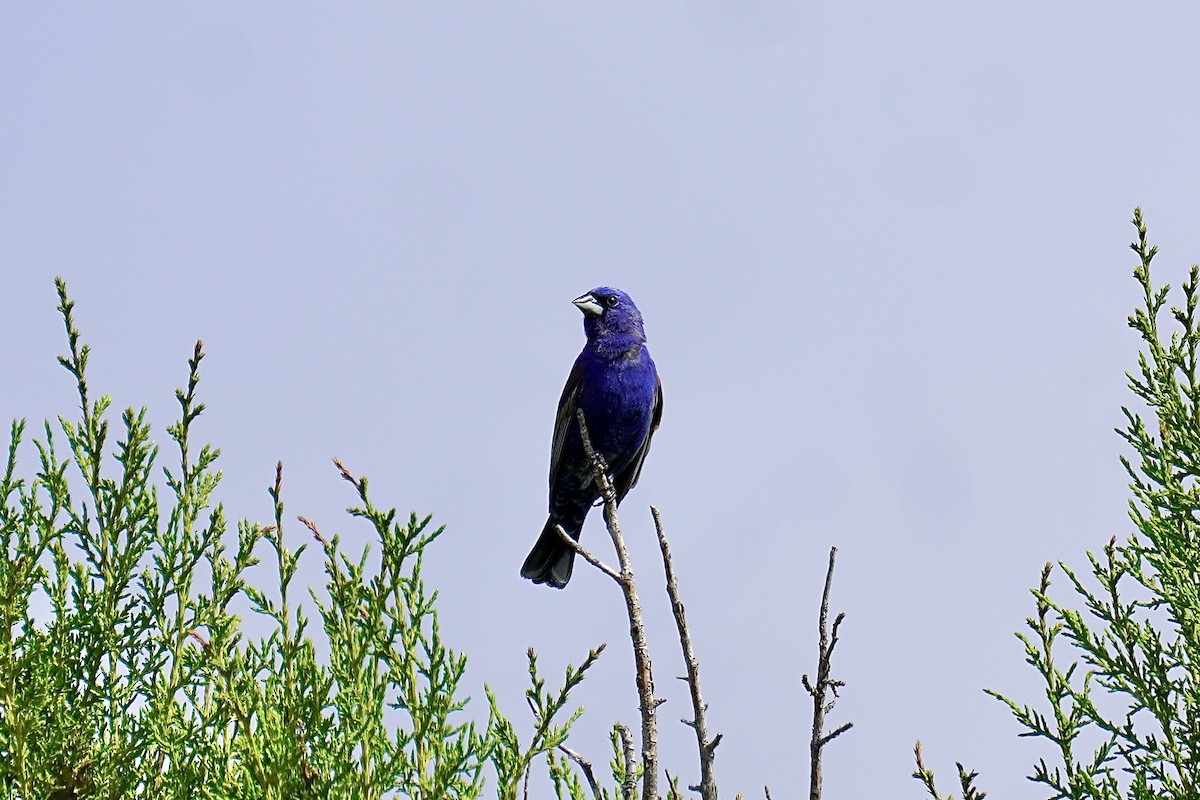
pixel 563 421
pixel 628 477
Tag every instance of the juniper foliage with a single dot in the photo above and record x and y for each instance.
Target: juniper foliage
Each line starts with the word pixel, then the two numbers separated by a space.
pixel 1119 654
pixel 126 669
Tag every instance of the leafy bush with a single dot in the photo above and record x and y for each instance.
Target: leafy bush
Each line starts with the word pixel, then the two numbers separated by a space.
pixel 1121 660
pixel 138 680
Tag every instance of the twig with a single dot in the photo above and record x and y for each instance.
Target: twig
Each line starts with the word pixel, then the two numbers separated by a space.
pixel 828 641
pixel 630 784
pixel 587 555
pixel 672 783
pixel 647 704
pixel 699 723
pixel 584 765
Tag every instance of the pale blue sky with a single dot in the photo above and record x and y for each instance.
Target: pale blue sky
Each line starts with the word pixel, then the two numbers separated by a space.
pixel 879 248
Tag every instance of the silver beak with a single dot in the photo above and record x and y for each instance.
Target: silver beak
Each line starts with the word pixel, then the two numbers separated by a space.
pixel 588 305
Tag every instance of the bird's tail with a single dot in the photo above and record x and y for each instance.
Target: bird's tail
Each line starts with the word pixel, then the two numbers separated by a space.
pixel 551 559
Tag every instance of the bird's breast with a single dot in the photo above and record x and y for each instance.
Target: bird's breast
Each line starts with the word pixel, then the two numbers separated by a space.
pixel 618 403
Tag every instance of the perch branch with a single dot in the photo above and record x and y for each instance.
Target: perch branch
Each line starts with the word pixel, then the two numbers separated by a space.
pixel 587 555
pixel 647 704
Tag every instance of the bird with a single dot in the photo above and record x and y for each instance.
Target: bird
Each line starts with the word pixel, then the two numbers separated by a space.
pixel 616 384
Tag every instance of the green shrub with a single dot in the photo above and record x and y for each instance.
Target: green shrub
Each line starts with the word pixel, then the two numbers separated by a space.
pixel 139 679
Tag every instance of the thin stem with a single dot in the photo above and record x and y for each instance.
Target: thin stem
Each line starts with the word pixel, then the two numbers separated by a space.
pixel 699 723
pixel 823 685
pixel 587 554
pixel 584 765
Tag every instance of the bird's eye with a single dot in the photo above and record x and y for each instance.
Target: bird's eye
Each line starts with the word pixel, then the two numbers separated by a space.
pixel 611 301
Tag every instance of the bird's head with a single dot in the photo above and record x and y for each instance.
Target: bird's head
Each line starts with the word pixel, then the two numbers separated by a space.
pixel 609 315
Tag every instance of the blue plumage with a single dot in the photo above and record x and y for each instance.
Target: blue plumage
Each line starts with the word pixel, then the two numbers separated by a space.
pixel 615 382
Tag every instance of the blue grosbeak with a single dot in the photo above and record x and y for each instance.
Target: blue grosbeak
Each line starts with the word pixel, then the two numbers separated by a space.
pixel 616 384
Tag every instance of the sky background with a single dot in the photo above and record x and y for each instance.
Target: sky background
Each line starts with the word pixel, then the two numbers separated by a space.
pixel 880 249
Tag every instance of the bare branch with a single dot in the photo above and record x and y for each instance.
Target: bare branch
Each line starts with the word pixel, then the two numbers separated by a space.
pixel 585 766
pixel 823 684
pixel 672 783
pixel 630 785
pixel 699 723
pixel 647 704
pixel 831 736
pixel 586 554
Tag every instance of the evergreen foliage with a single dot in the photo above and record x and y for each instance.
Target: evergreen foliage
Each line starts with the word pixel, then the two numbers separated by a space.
pixel 139 680
pixel 1120 656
